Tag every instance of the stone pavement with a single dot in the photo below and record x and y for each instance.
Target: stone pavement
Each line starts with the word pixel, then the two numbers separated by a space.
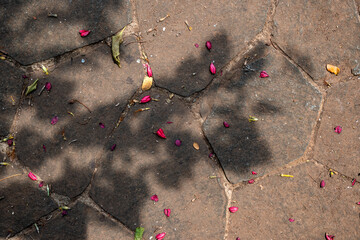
pixel 102 158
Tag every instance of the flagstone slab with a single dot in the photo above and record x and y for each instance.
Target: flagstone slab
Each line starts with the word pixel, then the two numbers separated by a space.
pixel 177 64
pixel 103 88
pixel 29 35
pixel 342 108
pixel 314 34
pixel 82 222
pixel 144 164
pixel 285 104
pixel 10 91
pixel 22 202
pixel 266 206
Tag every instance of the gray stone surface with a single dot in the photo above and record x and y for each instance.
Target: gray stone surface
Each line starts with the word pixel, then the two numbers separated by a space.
pixel 30 40
pixel 82 222
pixel 285 104
pixel 172 53
pixel 315 33
pixel 99 84
pixel 266 206
pixel 342 108
pixel 144 164
pixel 10 91
pixel 22 202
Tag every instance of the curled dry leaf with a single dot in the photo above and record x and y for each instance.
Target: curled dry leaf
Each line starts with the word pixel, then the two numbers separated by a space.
pixel 196 146
pixel 147 83
pixel 32 87
pixel 117 40
pixel 333 69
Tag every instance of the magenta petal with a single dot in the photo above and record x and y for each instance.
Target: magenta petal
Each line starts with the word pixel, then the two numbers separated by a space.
pixel 32 176
pixel 102 125
pixel 169 122
pixel 233 209
pixel 353 182
pixel 154 198
pixel 54 120
pixel 24 76
pixel 145 99
pixel 329 237
pixel 291 220
pixel 208 45
pixel 358 203
pixel 48 86
pixel 64 212
pixel 44 148
pixel 210 155
pixel 160 236
pixel 10 142
pixel 322 184
pixel 84 33
pixel 160 133
pixel 196 45
pixel 167 212
pixel 178 142
pixel 226 124
pixel 264 74
pixel 41 184
pixel 251 181
pixel 113 147
pixel 338 129
pixel 253 173
pixel 237 238
pixel 212 68
pixel 149 71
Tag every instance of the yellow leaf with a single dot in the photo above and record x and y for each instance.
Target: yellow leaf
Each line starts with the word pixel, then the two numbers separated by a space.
pixel 117 40
pixel 333 69
pixel 147 83
pixel 196 145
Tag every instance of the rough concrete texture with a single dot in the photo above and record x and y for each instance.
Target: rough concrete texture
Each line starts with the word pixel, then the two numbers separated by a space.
pixel 144 164
pixel 314 38
pixel 177 64
pixel 30 34
pixel 266 206
pixel 285 103
pixel 101 86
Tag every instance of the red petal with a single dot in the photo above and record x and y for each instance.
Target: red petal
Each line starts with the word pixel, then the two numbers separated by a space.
pixel 251 181
pixel 167 212
pixel 48 86
pixel 291 220
pixel 264 74
pixel 41 184
pixel 149 71
pixel 160 236
pixel 160 133
pixel 208 45
pixel 54 120
pixel 154 198
pixel 353 182
pixel 233 209
pixel 338 129
pixel 32 176
pixel 196 45
pixel 322 183
pixel 101 125
pixel 178 142
pixel 84 33
pixel 226 124
pixel 253 173
pixel 145 99
pixel 212 68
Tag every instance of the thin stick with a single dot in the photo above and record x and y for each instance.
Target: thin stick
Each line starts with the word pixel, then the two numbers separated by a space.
pixel 10 176
pixel 75 100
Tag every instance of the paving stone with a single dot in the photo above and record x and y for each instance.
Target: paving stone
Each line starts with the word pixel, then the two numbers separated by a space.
pixel 10 91
pixel 314 33
pixel 266 206
pixel 82 222
pixel 30 40
pixel 285 104
pixel 22 202
pixel 143 164
pixel 99 84
pixel 342 108
pixel 172 53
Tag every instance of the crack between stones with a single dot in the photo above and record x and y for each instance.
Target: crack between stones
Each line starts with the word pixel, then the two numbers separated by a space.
pixel 339 173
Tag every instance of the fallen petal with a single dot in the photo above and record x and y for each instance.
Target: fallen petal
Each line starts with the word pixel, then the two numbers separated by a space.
pixel 64 212
pixel 253 173
pixel 113 147
pixel 264 74
pixel 251 181
pixel 169 122
pixel 149 71
pixel 226 124
pixel 353 182
pixel 338 129
pixel 54 120
pixel 178 142
pixel 322 184
pixel 208 45
pixel 44 148
pixel 196 45
pixel 329 237
pixel 167 212
pixel 210 155
pixel 154 198
pixel 84 33
pixel 41 184
pixel 233 209
pixel 10 142
pixel 32 176
pixel 212 68
pixel 101 125
pixel 358 203
pixel 291 220
pixel 237 238
pixel 160 133
pixel 145 99
pixel 48 86
pixel 333 69
pixel 160 236
pixel 24 76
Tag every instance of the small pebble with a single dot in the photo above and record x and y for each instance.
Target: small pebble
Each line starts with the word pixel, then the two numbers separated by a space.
pixel 82 60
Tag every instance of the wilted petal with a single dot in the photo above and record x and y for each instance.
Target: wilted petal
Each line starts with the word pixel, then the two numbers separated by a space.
pixel 102 125
pixel 226 124
pixel 196 45
pixel 167 212
pixel 24 76
pixel 329 237
pixel 149 71
pixel 178 142
pixel 338 129
pixel 48 86
pixel 251 181
pixel 208 45
pixel 160 236
pixel 210 155
pixel 358 203
pixel 322 183
pixel 253 173
pixel 145 99
pixel 264 74
pixel 169 122
pixel 237 238
pixel 160 133
pixel 212 68
pixel 84 33
pixel 64 212
pixel 54 120
pixel 233 209
pixel 291 220
pixel 154 198
pixel 41 184
pixel 32 176
pixel 10 142
pixel 353 182
pixel 113 147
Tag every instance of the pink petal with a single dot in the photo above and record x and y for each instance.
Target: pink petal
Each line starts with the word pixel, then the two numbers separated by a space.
pixel 48 86
pixel 54 120
pixel 358 203
pixel 291 220
pixel 44 148
pixel 178 142
pixel 102 125
pixel 160 236
pixel 169 122
pixel 32 176
pixel 145 99
pixel 264 74
pixel 84 33
pixel 254 173
pixel 233 209
pixel 113 147
pixel 226 124
pixel 221 72
pixel 41 184
pixel 208 45
pixel 212 68
pixel 196 45
pixel 329 237
pixel 237 238
pixel 322 184
pixel 353 182
pixel 154 198
pixel 338 129
pixel 251 181
pixel 160 133
pixel 64 212
pixel 149 71
pixel 10 142
pixel 167 212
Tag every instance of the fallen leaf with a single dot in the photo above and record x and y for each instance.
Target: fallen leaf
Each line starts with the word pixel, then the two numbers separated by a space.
pixel 333 69
pixel 252 119
pixel 32 87
pixel 117 40
pixel 139 231
pixel 147 83
pixel 196 145
pixel 45 69
pixel 4 163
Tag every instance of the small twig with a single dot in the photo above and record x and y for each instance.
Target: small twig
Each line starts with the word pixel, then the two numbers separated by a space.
pixel 72 141
pixel 10 176
pixel 41 90
pixel 72 101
